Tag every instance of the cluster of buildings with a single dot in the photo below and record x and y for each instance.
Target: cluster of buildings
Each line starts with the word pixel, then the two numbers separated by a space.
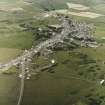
pixel 70 29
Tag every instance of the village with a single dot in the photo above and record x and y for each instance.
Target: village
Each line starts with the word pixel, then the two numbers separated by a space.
pixel 71 30
pixel 77 33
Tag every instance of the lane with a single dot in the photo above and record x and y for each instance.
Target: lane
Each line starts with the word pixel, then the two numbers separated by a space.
pixel 22 85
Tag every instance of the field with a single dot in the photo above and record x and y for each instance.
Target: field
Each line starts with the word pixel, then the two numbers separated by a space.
pixel 13 38
pixel 77 6
pixel 83 14
pixel 7 54
pixel 74 79
pixel 8 90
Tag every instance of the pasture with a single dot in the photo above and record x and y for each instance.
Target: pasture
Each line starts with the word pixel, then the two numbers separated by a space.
pixel 82 14
pixel 6 54
pixel 77 6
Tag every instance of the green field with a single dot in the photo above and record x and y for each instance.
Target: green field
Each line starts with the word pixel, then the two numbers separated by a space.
pixel 76 79
pixel 7 54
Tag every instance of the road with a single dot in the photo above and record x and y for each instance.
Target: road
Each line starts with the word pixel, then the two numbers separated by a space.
pixel 22 84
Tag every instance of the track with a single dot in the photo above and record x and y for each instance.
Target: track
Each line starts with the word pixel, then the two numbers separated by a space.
pixel 22 85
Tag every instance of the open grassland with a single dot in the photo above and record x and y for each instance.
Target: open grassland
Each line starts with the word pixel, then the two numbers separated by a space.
pixel 76 78
pixel 8 90
pixel 10 5
pixel 7 54
pixel 21 40
pixel 100 8
pixel 83 14
pixel 62 4
pixel 13 38
pixel 60 89
pixel 77 6
pixel 11 35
